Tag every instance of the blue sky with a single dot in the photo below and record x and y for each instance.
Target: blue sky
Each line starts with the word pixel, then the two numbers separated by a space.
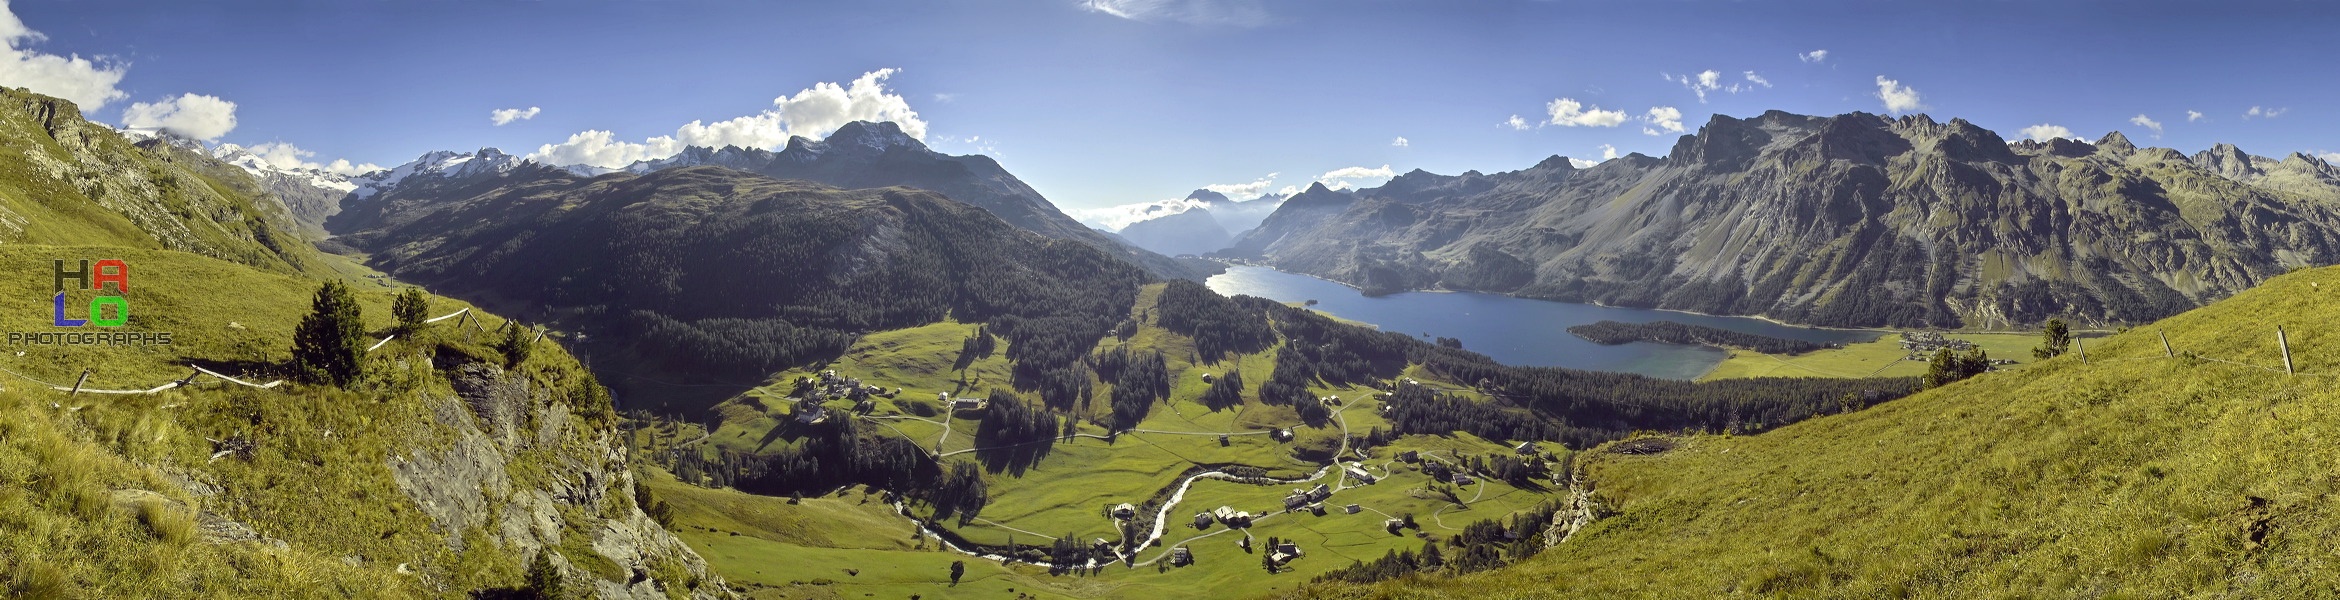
pixel 1108 103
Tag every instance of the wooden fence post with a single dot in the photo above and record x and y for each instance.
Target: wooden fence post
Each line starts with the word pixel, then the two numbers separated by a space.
pixel 77 383
pixel 2083 348
pixel 2165 351
pixel 2285 344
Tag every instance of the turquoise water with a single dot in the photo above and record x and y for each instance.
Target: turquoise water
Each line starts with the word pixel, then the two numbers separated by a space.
pixel 1516 331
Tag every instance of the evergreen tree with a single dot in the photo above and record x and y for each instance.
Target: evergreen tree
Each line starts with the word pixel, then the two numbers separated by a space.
pixel 544 579
pixel 958 569
pixel 328 343
pixel 1430 557
pixel 410 309
pixel 515 344
pixel 2055 338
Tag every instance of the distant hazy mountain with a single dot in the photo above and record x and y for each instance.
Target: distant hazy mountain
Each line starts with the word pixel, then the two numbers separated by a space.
pixel 1853 220
pixel 868 155
pixel 1195 231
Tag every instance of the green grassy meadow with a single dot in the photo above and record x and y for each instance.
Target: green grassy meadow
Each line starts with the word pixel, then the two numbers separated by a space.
pixel 1880 358
pixel 2134 475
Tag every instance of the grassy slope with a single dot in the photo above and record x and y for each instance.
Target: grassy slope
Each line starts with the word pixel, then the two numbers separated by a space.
pixel 72 467
pixel 1880 358
pixel 1070 490
pixel 2123 478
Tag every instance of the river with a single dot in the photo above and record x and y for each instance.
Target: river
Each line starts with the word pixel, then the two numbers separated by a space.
pixel 1517 331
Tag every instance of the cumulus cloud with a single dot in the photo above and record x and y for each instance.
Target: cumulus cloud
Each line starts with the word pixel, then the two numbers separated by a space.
pixel 2193 115
pixel 1237 13
pixel 193 115
pixel 1515 123
pixel 2265 112
pixel 1813 56
pixel 502 116
pixel 1568 112
pixel 1898 98
pixel 814 113
pixel 2044 132
pixel 1608 152
pixel 1582 163
pixel 1663 118
pixel 1401 141
pixel 1758 79
pixel 284 155
pixel 88 82
pixel 2141 121
pixel 1349 177
pixel 2330 157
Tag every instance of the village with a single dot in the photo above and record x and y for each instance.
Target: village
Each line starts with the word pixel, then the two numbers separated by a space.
pixel 811 395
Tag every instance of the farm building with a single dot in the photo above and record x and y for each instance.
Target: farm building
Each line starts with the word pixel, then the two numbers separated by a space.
pixel 970 403
pixel 1201 520
pixel 1179 556
pixel 1124 511
pixel 1353 509
pixel 1526 448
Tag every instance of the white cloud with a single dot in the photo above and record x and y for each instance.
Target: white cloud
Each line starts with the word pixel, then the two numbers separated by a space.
pixel 1289 191
pixel 507 115
pixel 2330 157
pixel 1664 117
pixel 1114 218
pixel 2141 121
pixel 2193 115
pixel 1244 191
pixel 1568 112
pixel 1238 13
pixel 1349 177
pixel 1582 163
pixel 2044 132
pixel 1608 152
pixel 88 82
pixel 287 156
pixel 1711 80
pixel 1813 56
pixel 1401 141
pixel 814 113
pixel 1898 98
pixel 2265 112
pixel 1515 123
pixel 945 97
pixel 192 115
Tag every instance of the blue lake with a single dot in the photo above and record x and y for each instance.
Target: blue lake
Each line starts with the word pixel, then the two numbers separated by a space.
pixel 1517 331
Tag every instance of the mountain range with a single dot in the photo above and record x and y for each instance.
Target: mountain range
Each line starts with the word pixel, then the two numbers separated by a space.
pixel 1852 220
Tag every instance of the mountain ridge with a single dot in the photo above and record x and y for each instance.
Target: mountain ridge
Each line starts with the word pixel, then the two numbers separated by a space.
pixel 1852 220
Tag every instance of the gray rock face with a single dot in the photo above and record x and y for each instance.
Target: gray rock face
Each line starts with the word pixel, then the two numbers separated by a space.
pixel 1852 220
pixel 467 482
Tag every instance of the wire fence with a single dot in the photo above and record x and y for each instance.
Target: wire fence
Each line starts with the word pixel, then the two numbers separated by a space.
pixel 78 387
pixel 2169 352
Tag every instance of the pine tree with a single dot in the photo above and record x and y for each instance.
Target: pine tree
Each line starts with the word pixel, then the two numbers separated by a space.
pixel 544 580
pixel 1430 557
pixel 2055 338
pixel 515 345
pixel 958 569
pixel 410 309
pixel 329 342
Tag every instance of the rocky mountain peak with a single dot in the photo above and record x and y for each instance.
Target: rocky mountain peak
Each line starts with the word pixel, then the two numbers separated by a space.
pixel 2227 161
pixel 2116 144
pixel 1553 163
pixel 1208 197
pixel 878 136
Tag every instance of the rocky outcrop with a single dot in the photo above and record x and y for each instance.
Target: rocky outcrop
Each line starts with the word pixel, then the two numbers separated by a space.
pixel 527 490
pixel 1851 220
